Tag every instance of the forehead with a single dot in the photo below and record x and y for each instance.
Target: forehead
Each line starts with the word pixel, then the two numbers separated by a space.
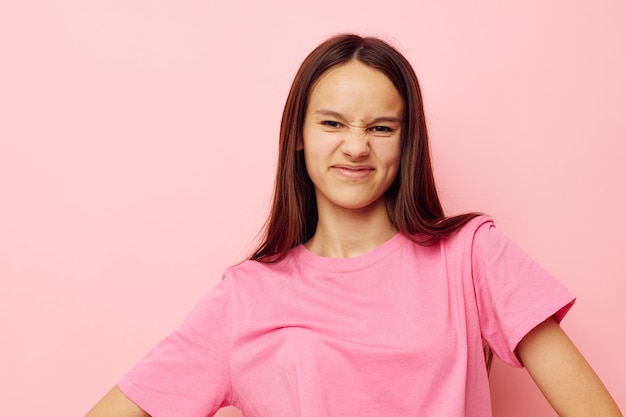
pixel 355 85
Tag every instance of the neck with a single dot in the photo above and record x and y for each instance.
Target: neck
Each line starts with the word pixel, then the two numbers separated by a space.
pixel 344 233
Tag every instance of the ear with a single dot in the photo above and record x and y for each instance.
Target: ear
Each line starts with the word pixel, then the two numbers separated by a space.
pixel 299 143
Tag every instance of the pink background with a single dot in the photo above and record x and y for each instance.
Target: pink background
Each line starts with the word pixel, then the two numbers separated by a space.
pixel 138 146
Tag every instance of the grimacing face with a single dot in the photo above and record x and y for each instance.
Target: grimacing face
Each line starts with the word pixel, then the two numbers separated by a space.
pixel 352 137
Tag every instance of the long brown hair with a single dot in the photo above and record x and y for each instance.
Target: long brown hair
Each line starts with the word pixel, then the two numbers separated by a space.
pixel 412 202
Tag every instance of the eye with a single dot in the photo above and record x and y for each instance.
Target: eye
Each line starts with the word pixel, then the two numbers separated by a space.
pixel 382 129
pixel 331 123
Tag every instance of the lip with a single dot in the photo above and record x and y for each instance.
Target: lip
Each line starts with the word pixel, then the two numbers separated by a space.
pixel 353 171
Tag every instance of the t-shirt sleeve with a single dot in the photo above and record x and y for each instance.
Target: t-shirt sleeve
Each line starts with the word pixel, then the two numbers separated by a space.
pixel 514 293
pixel 188 373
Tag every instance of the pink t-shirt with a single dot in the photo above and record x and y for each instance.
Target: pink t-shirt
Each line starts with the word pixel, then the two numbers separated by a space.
pixel 397 331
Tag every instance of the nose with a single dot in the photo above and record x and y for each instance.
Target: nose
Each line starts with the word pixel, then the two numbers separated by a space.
pixel 356 143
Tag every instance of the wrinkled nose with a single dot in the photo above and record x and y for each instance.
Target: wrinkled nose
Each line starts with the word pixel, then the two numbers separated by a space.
pixel 355 144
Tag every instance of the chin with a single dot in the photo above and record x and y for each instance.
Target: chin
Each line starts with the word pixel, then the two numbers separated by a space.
pixel 363 205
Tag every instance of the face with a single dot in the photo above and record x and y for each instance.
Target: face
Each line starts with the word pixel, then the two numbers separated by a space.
pixel 351 137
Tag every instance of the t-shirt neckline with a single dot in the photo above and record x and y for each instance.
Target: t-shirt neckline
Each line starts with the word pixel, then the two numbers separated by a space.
pixel 303 255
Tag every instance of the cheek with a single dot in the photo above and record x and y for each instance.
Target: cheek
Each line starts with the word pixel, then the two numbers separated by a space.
pixel 313 155
pixel 389 154
pixel 318 145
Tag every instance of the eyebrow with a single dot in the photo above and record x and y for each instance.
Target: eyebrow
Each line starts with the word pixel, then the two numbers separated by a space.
pixel 338 115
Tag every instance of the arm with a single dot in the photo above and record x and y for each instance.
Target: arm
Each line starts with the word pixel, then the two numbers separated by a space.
pixel 116 404
pixel 563 375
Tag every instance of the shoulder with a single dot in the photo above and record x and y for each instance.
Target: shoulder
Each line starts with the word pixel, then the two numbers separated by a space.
pixel 477 228
pixel 250 271
pixel 476 224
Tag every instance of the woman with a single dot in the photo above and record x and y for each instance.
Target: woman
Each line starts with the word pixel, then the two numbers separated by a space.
pixel 363 298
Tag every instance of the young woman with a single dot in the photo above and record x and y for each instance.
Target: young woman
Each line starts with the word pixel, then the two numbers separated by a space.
pixel 363 299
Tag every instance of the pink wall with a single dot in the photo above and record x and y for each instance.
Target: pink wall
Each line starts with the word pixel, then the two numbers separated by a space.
pixel 137 149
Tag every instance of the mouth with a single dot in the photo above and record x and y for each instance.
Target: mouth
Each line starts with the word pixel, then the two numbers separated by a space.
pixel 353 171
